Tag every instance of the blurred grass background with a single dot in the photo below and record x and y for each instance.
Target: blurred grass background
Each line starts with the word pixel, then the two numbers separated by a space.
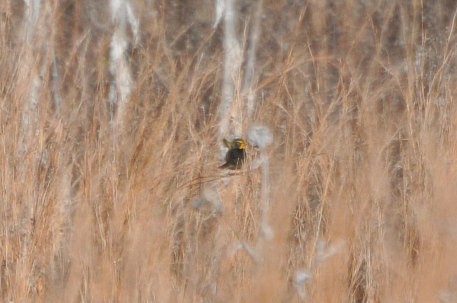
pixel 96 195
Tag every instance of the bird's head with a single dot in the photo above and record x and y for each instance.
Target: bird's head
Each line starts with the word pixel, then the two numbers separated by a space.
pixel 238 143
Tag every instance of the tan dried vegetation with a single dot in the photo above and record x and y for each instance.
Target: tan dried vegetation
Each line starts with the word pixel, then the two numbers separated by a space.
pixel 96 202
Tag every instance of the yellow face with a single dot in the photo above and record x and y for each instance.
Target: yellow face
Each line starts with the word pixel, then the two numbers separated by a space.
pixel 239 144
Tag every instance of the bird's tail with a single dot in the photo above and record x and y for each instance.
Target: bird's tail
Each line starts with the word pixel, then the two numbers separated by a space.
pixel 225 165
pixel 227 143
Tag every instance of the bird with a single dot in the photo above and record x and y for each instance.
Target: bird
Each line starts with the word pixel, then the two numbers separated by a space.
pixel 236 153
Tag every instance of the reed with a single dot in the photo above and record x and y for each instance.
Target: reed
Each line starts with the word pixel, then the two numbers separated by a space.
pixel 111 116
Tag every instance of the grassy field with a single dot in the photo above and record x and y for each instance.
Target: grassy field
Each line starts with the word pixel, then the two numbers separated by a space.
pixel 111 122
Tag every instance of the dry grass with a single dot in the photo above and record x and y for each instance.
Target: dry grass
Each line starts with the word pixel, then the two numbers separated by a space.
pixel 96 197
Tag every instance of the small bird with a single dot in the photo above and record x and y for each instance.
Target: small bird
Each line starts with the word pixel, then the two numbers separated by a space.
pixel 236 154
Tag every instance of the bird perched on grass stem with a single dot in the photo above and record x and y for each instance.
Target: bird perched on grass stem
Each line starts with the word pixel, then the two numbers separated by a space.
pixel 236 154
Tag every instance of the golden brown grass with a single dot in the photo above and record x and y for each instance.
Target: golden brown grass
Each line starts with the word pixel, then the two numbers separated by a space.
pixel 96 203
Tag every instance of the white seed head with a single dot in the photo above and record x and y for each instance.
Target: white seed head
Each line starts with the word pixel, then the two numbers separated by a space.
pixel 300 279
pixel 199 202
pixel 260 136
pixel 267 231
